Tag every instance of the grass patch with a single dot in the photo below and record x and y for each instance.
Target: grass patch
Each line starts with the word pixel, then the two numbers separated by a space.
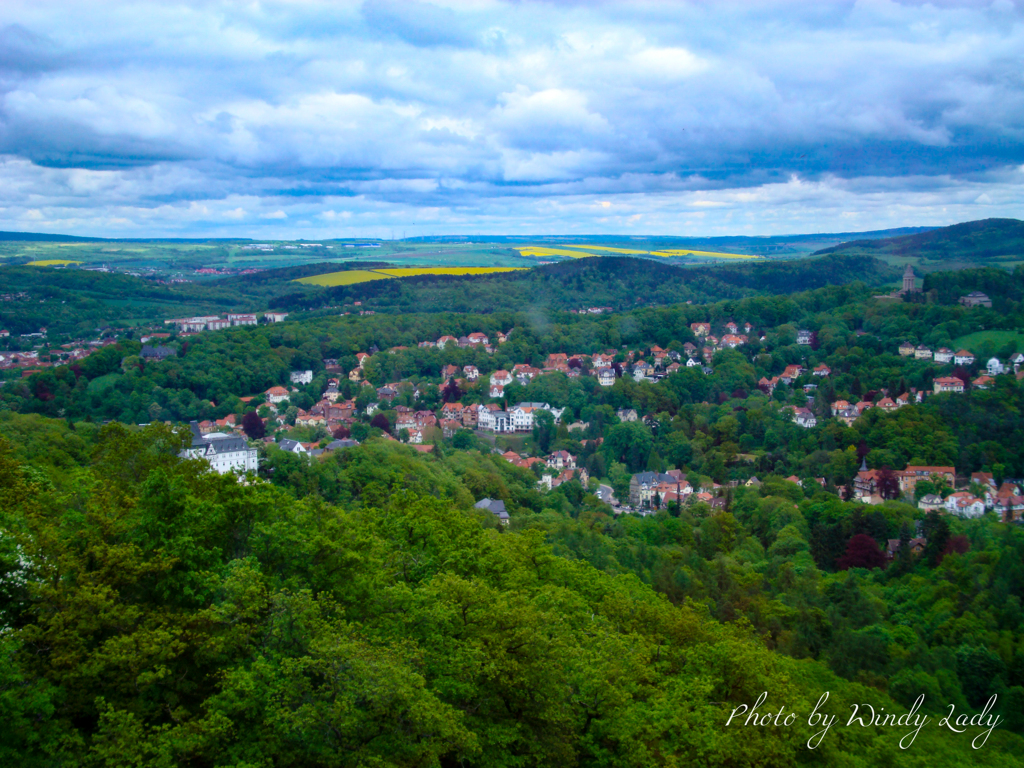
pixel 999 339
pixel 350 277
pixel 103 383
pixel 53 263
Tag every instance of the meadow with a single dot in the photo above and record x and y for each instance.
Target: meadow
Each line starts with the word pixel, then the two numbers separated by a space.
pixel 998 339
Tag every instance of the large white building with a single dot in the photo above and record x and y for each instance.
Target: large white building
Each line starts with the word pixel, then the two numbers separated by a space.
pixel 225 453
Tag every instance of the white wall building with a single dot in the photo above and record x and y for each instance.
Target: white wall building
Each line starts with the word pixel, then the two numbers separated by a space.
pixel 225 453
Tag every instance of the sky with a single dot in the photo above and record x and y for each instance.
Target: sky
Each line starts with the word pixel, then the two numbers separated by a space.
pixel 304 119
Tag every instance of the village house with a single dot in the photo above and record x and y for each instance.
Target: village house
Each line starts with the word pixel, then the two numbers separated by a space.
pixel 301 377
pixel 995 367
pixel 865 485
pixel 983 382
pixel 822 370
pixel 916 545
pixel 963 357
pixel 943 355
pixel 700 329
pixel 446 340
pixel 495 507
pixel 910 476
pixel 791 373
pixel 906 349
pixel 276 394
pixel 224 453
pixel 947 384
pixel 963 504
pixel 606 377
pixel 471 372
pixel 931 502
pixel 804 337
pixel 644 485
pixel 803 417
pixel 560 460
pixel 921 352
pixel 976 299
pixel 501 378
pixel 478 339
pixel 495 421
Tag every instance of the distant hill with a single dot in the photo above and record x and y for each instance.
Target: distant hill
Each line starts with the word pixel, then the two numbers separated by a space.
pixel 617 282
pixel 43 237
pixel 984 241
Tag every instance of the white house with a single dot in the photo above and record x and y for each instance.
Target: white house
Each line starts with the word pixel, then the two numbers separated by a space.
pixel 995 367
pixel 225 453
pixel 301 377
pixel 501 378
pixel 521 417
pixel 276 394
pixel 964 504
pixel 963 357
pixel 495 421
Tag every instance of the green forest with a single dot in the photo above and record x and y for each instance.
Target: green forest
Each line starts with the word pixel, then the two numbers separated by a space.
pixel 155 613
pixel 356 610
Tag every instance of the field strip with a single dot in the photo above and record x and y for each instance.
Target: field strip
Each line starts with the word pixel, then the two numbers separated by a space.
pixel 540 251
pixel 52 263
pixel 583 251
pixel 354 276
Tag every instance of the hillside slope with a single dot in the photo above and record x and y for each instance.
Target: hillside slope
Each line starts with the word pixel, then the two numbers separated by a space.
pixel 617 282
pixel 984 241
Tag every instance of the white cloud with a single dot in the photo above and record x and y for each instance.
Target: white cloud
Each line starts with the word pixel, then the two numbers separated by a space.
pixel 183 118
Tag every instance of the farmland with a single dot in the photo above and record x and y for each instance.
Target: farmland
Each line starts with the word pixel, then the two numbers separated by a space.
pixel 52 263
pixel 583 251
pixel 351 277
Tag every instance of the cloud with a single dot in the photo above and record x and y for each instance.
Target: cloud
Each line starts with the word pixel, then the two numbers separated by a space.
pixel 511 114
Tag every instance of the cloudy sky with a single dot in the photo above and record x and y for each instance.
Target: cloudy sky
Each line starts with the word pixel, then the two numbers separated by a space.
pixel 333 119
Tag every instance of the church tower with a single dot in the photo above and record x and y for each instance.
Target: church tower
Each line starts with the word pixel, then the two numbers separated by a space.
pixel 908 280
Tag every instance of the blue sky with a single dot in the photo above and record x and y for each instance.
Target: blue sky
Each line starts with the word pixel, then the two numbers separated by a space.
pixel 335 119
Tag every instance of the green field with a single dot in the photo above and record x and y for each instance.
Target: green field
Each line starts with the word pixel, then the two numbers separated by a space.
pixel 999 339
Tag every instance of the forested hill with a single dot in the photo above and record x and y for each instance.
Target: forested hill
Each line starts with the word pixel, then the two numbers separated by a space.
pixel 972 241
pixel 618 282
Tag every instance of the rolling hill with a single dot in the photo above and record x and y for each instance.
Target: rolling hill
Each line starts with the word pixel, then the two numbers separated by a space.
pixel 997 242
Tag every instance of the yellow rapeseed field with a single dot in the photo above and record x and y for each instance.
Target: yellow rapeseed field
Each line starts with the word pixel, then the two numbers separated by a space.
pixel 712 254
pixel 413 271
pixel 570 250
pixel 351 277
pixel 52 263
pixel 541 252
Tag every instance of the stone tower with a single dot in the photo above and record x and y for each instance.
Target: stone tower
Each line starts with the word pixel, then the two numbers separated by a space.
pixel 908 280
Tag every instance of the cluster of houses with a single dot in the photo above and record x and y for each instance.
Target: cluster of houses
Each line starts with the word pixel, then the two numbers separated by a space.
pixel 32 362
pixel 994 366
pixel 1006 499
pixel 186 325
